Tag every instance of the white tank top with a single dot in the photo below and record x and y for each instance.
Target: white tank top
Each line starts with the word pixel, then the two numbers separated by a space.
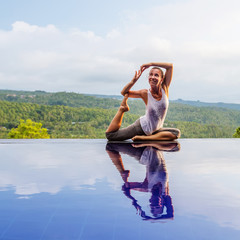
pixel 155 113
pixel 156 168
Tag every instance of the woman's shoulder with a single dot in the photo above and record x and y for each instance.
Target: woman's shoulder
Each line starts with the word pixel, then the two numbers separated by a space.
pixel 144 93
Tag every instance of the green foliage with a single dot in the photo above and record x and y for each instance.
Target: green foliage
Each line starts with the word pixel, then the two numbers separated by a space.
pixel 203 115
pixel 60 98
pixel 198 130
pixel 28 129
pixel 61 121
pixel 3 132
pixel 207 104
pixel 72 115
pixel 237 133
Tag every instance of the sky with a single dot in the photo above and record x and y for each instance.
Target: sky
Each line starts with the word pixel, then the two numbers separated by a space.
pixel 96 46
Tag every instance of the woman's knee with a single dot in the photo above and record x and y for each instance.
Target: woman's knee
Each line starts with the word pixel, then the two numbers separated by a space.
pixel 177 133
pixel 109 136
pixel 115 136
pixel 173 136
pixel 170 136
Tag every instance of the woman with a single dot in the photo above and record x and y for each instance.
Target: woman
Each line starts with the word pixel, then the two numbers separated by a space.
pixel 150 126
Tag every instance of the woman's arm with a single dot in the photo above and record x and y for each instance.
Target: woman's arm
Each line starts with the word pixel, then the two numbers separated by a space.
pixel 138 93
pixel 168 74
pixel 130 84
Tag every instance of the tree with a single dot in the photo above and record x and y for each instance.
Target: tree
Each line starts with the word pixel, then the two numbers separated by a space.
pixel 237 133
pixel 29 129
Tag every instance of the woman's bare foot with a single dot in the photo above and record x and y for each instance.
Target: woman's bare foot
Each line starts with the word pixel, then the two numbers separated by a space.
pixel 160 136
pixel 139 138
pixel 124 106
pixel 125 175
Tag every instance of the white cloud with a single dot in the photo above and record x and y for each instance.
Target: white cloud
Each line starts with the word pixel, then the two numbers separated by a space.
pixel 56 167
pixel 199 37
pixel 27 28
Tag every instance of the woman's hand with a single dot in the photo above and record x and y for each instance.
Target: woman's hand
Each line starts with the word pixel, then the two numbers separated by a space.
pixel 127 88
pixel 139 72
pixel 137 75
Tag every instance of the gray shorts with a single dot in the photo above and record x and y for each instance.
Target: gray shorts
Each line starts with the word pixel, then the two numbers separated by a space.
pixel 126 133
pixel 136 129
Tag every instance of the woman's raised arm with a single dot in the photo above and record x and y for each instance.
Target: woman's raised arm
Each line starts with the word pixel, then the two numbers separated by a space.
pixel 168 74
pixel 135 94
pixel 130 84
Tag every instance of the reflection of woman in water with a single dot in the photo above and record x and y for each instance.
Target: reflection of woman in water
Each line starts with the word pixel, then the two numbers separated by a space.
pixel 149 126
pixel 156 180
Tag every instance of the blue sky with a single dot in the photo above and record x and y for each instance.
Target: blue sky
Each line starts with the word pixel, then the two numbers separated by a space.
pixel 95 46
pixel 94 15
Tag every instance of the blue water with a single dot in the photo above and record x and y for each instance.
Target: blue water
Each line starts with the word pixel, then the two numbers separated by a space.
pixel 86 189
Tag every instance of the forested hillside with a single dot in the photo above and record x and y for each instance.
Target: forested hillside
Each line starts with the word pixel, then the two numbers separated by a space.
pixel 60 98
pixel 61 121
pixel 72 115
pixel 206 104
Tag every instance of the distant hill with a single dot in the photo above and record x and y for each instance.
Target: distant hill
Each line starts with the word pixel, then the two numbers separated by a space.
pixel 69 114
pixel 187 102
pixel 79 99
pixel 81 122
pixel 70 99
pixel 206 104
pixel 104 96
pixel 179 110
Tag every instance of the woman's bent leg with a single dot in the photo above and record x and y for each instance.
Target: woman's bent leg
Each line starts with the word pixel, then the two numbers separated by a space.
pixel 117 120
pixel 163 134
pixel 126 148
pixel 117 161
pixel 126 133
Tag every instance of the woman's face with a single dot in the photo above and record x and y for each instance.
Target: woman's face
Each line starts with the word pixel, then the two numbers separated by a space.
pixel 154 77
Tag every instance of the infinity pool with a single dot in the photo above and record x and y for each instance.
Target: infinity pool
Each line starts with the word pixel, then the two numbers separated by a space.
pixel 88 189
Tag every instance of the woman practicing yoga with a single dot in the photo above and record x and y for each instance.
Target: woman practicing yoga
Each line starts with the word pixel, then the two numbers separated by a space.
pixel 149 126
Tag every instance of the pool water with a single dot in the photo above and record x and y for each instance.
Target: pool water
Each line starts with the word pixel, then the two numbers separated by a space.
pixel 91 189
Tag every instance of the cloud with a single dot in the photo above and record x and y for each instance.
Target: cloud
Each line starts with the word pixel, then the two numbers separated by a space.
pixel 27 28
pixel 57 167
pixel 199 37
